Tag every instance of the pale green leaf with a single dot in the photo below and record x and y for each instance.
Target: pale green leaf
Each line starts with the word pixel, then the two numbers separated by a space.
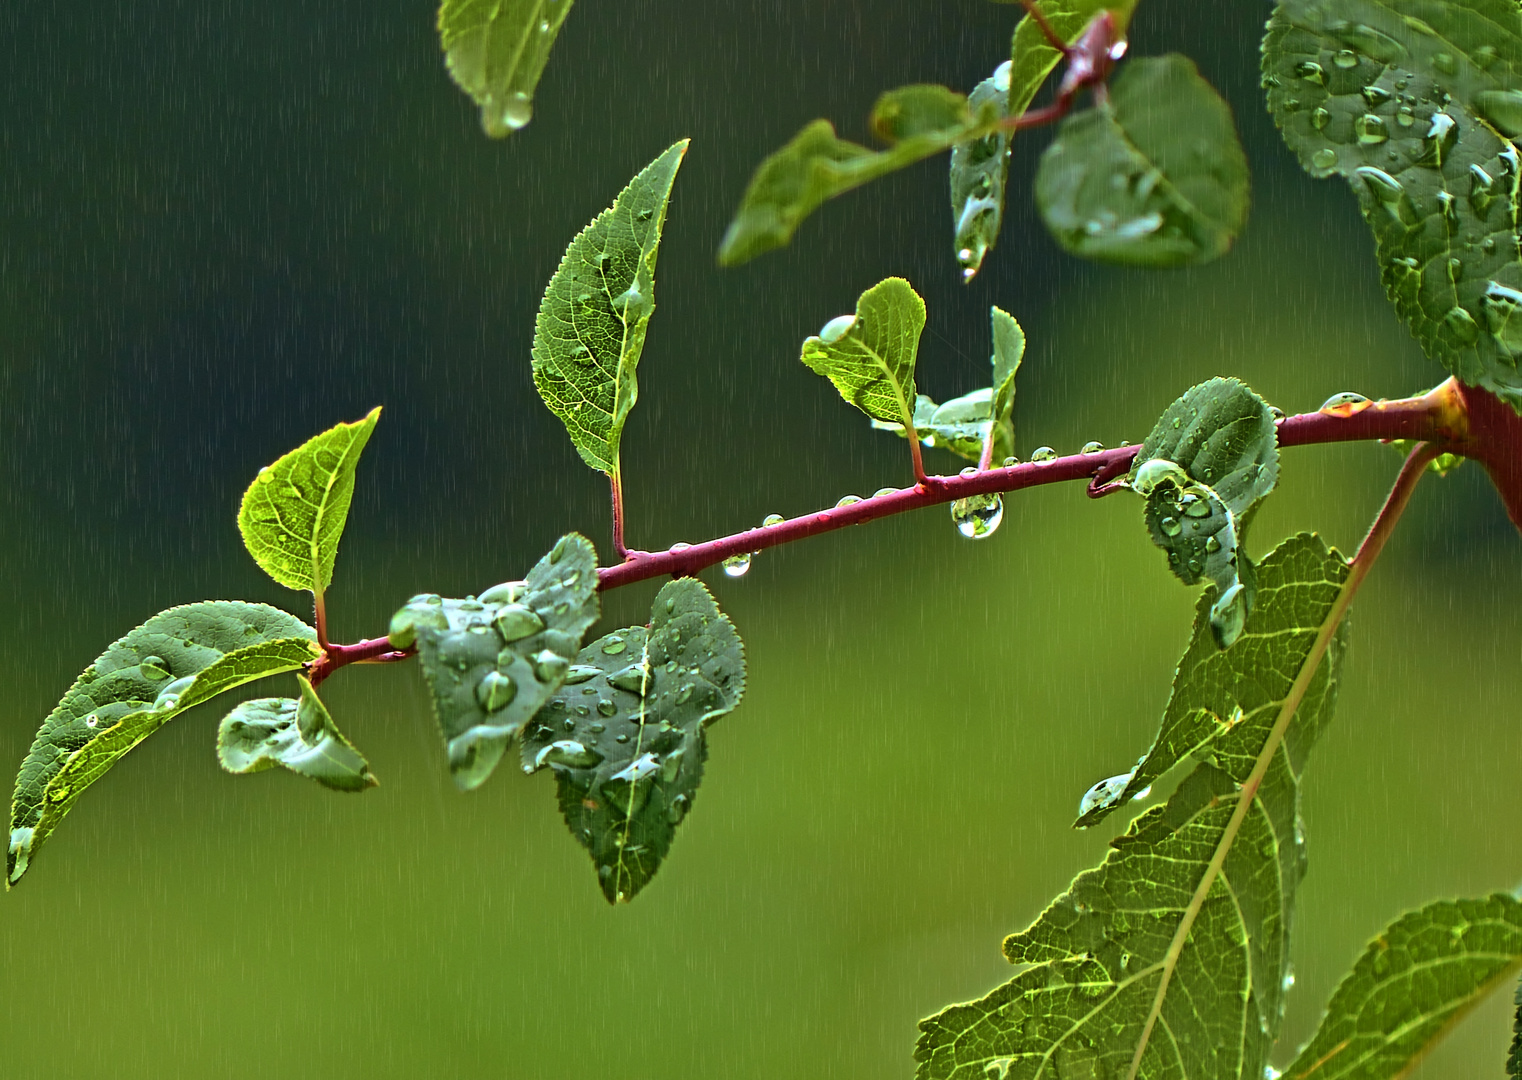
pixel 1098 955
pixel 1156 177
pixel 626 735
pixel 1207 462
pixel 918 110
pixel 293 513
pixel 870 356
pixel 1413 982
pixel 1032 57
pixel 177 659
pixel 1419 108
pixel 496 50
pixel 962 425
pixel 592 320
pixel 978 173
pixel 299 735
pixel 492 661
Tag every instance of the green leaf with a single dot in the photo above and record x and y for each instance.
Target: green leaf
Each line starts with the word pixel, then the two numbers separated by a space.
pixel 300 735
pixel 625 736
pixel 1156 177
pixel 1208 461
pixel 1421 117
pixel 1100 953
pixel 177 659
pixel 1514 1058
pixel 492 661
pixel 918 110
pixel 978 173
pixel 592 320
pixel 293 513
pixel 1032 57
pixel 496 50
pixel 1412 983
pixel 962 425
pixel 870 356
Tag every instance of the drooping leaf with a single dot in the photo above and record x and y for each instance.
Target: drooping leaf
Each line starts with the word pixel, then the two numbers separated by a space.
pixel 962 425
pixel 1156 177
pixel 625 735
pixel 870 355
pixel 1424 972
pixel 978 173
pixel 299 735
pixel 496 50
pixel 1227 698
pixel 1419 108
pixel 1209 459
pixel 293 513
pixel 1108 954
pixel 493 660
pixel 177 659
pixel 596 309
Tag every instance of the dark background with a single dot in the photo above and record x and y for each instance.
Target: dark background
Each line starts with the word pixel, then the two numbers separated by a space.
pixel 225 227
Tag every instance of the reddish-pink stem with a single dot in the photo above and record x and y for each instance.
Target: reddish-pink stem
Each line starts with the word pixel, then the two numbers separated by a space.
pixel 1438 417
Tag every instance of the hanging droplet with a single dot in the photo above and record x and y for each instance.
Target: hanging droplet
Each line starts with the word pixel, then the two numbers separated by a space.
pixel 1104 793
pixel 516 112
pixel 772 519
pixel 978 516
pixel 836 328
pixel 1093 446
pixel 1324 158
pixel 737 565
pixel 1043 454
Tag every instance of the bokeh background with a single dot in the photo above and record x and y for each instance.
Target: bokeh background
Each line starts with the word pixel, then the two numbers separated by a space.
pixel 224 227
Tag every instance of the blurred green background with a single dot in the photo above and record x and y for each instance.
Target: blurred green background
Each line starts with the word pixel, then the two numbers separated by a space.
pixel 224 227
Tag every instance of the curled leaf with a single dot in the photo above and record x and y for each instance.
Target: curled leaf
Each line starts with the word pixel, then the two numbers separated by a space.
pixel 297 735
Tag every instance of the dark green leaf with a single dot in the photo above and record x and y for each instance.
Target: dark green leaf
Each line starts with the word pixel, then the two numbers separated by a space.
pixel 1420 116
pixel 177 659
pixel 870 356
pixel 592 320
pixel 1514 1058
pixel 978 173
pixel 492 661
pixel 300 735
pixel 1098 956
pixel 910 112
pixel 1156 177
pixel 496 51
pixel 1209 459
pixel 962 424
pixel 625 736
pixel 1427 969
pixel 293 513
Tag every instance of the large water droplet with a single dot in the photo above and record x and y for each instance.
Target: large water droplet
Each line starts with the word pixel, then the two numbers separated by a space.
pixel 515 622
pixel 1001 77
pixel 1320 118
pixel 631 678
pixel 836 328
pixel 1104 793
pixel 1462 326
pixel 1503 316
pixel 1370 129
pixel 1093 446
pixel 772 519
pixel 1170 526
pixel 495 691
pixel 847 500
pixel 613 646
pixel 1043 454
pixel 978 516
pixel 1341 401
pixel 580 673
pixel 1346 59
pixel 1442 133
pixel 1481 190
pixel 1404 116
pixel 516 111
pixel 1311 72
pixel 154 668
pixel 1375 96
pixel 509 592
pixel 549 666
pixel 1324 158
pixel 737 565
pixel 569 753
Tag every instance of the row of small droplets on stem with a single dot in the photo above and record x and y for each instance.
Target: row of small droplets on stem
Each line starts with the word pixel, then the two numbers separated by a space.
pixel 979 516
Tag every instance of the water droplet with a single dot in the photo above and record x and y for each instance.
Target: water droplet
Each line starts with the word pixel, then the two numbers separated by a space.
pixel 1442 133
pixel 515 622
pixel 631 678
pixel 549 666
pixel 579 673
pixel 1142 794
pixel 1375 96
pixel 1212 545
pixel 1448 205
pixel 544 26
pixel 630 302
pixel 677 809
pixel 1289 980
pixel 1462 326
pixel 1341 401
pixel 1389 192
pixel 1503 316
pixel 847 500
pixel 495 691
pixel 1170 526
pixel 92 720
pixel 1194 506
pixel 1011 461
pixel 1320 118
pixel 1324 158
pixel 1042 454
pixel 1104 793
pixel 517 111
pixel 509 592
pixel 613 646
pixel 606 707
pixel 978 516
pixel 737 565
pixel 969 471
pixel 1346 59
pixel 169 696
pixel 1404 116
pixel 154 668
pixel 569 753
pixel 264 476
pixel 1370 129
pixel 772 519
pixel 1155 471
pixel 1311 72
pixel 880 492
pixel 836 328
